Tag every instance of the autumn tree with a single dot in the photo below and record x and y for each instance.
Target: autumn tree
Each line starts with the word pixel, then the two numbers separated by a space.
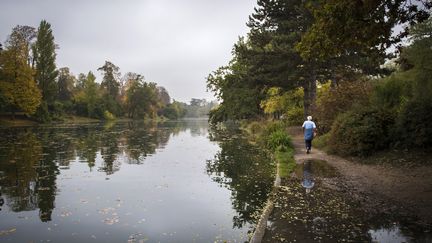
pixel 17 85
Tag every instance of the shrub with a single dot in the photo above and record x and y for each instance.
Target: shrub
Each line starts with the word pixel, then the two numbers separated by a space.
pixel 340 99
pixel 321 141
pixel 412 125
pixel 273 127
pixel 294 116
pixel 109 116
pixel 278 140
pixel 361 131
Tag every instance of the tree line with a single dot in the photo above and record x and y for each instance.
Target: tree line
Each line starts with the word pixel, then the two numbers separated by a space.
pixel 31 84
pixel 334 60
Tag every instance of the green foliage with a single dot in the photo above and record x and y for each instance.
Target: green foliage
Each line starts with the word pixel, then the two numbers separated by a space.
pixel 110 80
pixel 109 116
pixel 272 127
pixel 288 103
pixel 42 114
pixel 286 162
pixel 338 100
pixel 199 108
pixel 321 141
pixel 356 28
pixel 44 57
pixel 240 99
pixel 361 131
pixel 174 110
pixel 278 140
pixel 66 83
pixel 413 124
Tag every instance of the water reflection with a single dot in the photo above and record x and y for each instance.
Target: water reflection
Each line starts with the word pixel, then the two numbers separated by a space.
pixel 171 182
pixel 244 169
pixel 31 158
pixel 308 180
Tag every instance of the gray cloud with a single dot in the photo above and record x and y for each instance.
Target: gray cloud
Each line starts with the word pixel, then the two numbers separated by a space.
pixel 175 43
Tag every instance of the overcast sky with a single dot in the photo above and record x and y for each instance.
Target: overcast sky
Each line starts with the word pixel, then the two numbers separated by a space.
pixel 175 43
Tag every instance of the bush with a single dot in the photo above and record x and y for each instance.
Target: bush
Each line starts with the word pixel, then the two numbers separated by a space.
pixel 255 127
pixel 321 141
pixel 42 113
pixel 273 127
pixel 361 131
pixel 278 140
pixel 413 124
pixel 294 116
pixel 109 116
pixel 338 100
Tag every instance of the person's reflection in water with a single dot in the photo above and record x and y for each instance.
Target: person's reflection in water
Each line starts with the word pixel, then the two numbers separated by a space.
pixel 308 181
pixel 1 200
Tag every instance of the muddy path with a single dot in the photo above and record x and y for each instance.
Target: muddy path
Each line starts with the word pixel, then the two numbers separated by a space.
pixel 331 199
pixel 409 189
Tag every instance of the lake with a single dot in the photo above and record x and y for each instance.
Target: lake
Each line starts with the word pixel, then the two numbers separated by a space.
pixel 130 182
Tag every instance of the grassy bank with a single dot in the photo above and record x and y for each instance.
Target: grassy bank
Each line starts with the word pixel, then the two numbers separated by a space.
pixel 273 136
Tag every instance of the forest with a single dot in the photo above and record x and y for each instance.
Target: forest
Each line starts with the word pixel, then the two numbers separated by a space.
pixel 362 69
pixel 32 86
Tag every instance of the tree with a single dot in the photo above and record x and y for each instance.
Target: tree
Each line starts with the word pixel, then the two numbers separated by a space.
pixel 163 96
pixel 66 83
pixel 111 86
pixel 360 28
pixel 239 96
pixel 17 86
pixel 276 28
pixel 44 55
pixel 110 80
pixel 91 94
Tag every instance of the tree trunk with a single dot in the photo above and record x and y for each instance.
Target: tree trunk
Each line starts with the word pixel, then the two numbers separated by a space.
pixel 309 88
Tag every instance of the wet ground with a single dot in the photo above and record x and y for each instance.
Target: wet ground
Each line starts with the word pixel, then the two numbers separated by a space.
pixel 316 205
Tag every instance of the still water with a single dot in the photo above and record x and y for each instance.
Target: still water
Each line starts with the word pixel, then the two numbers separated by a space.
pixel 130 182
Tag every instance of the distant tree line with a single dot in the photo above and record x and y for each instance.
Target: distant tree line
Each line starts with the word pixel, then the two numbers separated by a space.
pixel 31 84
pixel 330 59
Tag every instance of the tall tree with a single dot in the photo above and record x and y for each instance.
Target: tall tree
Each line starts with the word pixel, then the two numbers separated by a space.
pixel 110 80
pixel 163 96
pixel 276 27
pixel 111 86
pixel 44 55
pixel 359 27
pixel 66 83
pixel 91 93
pixel 17 86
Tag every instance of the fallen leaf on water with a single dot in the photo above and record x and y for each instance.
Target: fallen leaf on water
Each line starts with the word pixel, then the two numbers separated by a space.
pixel 6 232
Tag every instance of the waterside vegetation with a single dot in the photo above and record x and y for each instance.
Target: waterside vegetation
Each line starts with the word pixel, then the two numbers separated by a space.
pixel 367 85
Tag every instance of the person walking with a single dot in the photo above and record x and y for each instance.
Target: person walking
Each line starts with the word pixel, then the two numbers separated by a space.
pixel 309 129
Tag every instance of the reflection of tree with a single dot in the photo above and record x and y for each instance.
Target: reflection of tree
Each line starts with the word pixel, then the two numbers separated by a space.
pixel 20 153
pixel 47 172
pixel 87 144
pixel 245 170
pixel 143 139
pixel 110 150
pixel 30 157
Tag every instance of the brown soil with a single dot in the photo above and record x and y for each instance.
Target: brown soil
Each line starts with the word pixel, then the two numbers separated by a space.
pixel 409 189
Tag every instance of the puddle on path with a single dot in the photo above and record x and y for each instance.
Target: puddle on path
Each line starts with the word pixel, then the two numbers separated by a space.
pixel 307 211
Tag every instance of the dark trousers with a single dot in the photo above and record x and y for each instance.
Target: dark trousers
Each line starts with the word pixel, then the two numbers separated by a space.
pixel 308 143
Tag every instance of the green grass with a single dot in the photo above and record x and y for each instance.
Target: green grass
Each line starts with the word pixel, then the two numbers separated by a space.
pixel 285 161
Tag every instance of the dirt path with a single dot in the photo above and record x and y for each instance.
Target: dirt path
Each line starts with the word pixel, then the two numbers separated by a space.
pixel 409 188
